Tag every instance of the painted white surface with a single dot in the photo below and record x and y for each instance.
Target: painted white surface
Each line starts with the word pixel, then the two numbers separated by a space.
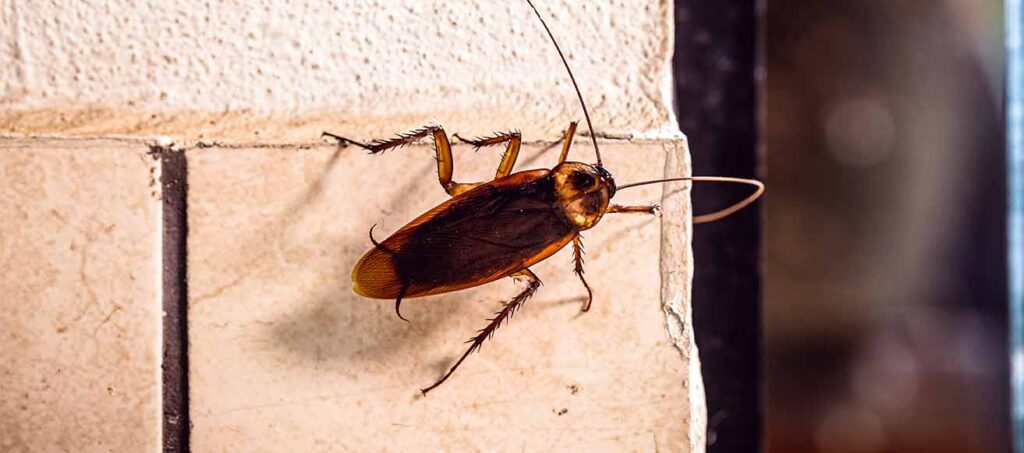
pixel 365 67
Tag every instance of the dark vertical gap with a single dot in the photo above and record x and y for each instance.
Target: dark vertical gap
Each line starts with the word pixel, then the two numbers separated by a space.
pixel 716 62
pixel 174 182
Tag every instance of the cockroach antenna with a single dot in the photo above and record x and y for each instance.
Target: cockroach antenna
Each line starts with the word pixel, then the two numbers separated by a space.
pixel 722 213
pixel 583 104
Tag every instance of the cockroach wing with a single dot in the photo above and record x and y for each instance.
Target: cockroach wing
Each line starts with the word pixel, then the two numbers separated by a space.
pixel 486 233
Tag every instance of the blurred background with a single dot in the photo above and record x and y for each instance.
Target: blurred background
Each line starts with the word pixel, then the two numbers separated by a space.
pixel 885 314
pixel 878 126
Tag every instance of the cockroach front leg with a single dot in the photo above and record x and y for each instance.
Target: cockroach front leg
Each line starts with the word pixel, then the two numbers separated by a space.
pixel 577 257
pixel 508 160
pixel 618 209
pixel 442 152
pixel 532 283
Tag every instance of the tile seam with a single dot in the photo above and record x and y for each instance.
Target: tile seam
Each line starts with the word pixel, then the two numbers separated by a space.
pixel 174 235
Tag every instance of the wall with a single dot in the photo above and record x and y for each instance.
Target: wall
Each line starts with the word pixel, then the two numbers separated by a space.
pixel 281 353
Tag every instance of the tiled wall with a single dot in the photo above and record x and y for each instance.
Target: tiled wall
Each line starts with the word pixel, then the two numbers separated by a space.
pixel 79 295
pixel 281 352
pixel 259 224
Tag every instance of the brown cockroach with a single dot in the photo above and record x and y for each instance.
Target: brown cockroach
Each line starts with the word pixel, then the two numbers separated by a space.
pixel 492 230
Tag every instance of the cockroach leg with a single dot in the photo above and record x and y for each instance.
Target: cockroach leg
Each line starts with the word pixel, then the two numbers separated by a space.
pixel 508 160
pixel 442 153
pixel 459 187
pixel 344 141
pixel 379 146
pixel 619 209
pixel 577 257
pixel 488 331
pixel 567 142
pixel 496 138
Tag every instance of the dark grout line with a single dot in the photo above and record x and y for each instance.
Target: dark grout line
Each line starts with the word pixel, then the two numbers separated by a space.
pixel 174 183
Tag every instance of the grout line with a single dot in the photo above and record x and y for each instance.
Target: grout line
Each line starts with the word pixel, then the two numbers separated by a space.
pixel 174 184
pixel 179 144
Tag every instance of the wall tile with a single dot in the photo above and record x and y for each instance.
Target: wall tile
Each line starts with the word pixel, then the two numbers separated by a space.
pixel 79 296
pixel 284 356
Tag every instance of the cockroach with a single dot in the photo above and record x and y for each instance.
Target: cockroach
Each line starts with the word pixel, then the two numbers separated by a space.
pixel 496 229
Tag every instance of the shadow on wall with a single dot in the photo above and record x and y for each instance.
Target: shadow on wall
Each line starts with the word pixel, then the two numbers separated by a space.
pixel 323 328
pixel 330 323
pixel 885 311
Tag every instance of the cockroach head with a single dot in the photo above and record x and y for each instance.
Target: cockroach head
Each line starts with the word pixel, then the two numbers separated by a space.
pixel 583 192
pixel 608 176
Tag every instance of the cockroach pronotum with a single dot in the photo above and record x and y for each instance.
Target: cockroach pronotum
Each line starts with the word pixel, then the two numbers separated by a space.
pixel 496 229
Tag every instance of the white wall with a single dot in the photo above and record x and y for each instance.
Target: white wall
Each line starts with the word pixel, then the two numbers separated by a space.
pixel 282 71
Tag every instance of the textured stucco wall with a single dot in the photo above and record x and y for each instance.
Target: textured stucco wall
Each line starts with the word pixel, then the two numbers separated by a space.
pixel 284 71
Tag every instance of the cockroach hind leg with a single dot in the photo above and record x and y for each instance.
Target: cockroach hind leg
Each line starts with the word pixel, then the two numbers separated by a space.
pixel 506 312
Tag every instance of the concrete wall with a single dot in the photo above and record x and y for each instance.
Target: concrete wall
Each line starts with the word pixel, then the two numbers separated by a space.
pixel 282 354
pixel 275 70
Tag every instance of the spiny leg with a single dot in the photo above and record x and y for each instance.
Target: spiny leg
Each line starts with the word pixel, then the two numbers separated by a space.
pixel 567 142
pixel 619 209
pixel 508 160
pixel 506 312
pixel 442 152
pixel 577 257
pixel 379 146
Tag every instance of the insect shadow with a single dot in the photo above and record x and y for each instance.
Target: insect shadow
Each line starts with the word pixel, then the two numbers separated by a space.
pixel 331 323
pixel 336 325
